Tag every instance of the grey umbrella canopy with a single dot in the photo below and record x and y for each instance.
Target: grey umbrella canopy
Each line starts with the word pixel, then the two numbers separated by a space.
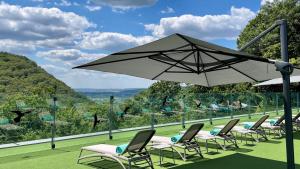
pixel 293 79
pixel 185 59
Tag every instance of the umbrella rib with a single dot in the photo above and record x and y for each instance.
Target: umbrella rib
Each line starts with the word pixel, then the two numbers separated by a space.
pixel 113 61
pixel 177 49
pixel 174 60
pixel 198 62
pixel 172 65
pixel 230 66
pixel 247 56
pixel 169 63
pixel 140 57
pixel 221 65
pixel 203 67
pixel 178 72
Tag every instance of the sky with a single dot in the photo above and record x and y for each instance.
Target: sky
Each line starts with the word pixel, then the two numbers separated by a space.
pixel 61 34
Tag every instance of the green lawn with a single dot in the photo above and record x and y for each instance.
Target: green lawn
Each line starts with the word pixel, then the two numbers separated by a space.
pixel 270 154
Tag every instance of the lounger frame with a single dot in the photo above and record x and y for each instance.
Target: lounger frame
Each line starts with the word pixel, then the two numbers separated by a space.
pixel 225 135
pixel 136 152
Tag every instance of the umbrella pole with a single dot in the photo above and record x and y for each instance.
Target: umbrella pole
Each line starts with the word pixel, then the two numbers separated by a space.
pixel 287 97
pixel 285 70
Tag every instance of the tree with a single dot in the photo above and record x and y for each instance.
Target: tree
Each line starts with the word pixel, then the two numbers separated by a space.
pixel 269 46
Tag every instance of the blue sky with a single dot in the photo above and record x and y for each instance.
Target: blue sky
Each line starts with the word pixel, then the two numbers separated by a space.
pixel 60 34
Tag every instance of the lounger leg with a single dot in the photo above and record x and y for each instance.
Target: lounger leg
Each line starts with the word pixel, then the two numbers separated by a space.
pixel 180 154
pixel 129 164
pixel 198 150
pixel 160 156
pixel 173 155
pixel 206 145
pixel 79 156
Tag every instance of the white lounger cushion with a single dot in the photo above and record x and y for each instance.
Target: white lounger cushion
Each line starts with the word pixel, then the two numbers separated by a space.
pixel 102 148
pixel 269 126
pixel 161 139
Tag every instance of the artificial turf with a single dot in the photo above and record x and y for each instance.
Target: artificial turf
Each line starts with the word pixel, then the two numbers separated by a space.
pixel 263 155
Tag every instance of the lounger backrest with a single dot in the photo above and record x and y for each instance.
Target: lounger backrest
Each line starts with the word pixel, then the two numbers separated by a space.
pixel 279 121
pixel 140 140
pixel 259 122
pixel 296 117
pixel 227 128
pixel 191 132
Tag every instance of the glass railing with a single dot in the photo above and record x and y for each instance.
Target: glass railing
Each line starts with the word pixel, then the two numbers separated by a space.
pixel 31 118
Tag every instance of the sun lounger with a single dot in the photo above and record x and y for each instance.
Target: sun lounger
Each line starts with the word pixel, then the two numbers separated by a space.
pixel 251 128
pixel 276 126
pixel 224 134
pixel 134 153
pixel 185 141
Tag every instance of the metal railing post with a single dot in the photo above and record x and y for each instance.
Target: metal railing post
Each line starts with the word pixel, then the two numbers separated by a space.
pixel 231 112
pixel 53 125
pixel 249 107
pixel 110 113
pixel 152 120
pixel 298 102
pixel 277 99
pixel 183 114
pixel 264 103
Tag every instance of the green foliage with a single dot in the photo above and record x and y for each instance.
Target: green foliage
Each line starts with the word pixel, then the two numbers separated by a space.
pixel 269 46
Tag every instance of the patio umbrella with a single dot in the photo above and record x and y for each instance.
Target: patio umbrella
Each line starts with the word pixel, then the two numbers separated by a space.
pixel 294 79
pixel 185 59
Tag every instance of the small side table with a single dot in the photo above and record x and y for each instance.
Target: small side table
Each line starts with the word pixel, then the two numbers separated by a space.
pixel 160 148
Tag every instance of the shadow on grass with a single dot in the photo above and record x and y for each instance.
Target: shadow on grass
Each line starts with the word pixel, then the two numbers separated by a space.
pixel 38 154
pixel 106 164
pixel 236 161
pixel 169 154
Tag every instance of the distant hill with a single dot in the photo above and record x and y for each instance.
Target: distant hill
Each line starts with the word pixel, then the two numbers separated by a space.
pixel 106 93
pixel 19 75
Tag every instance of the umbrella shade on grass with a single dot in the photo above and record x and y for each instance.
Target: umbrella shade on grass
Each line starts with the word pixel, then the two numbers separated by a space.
pixel 185 59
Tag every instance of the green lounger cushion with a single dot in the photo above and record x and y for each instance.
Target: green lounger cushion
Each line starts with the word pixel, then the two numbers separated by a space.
pixel 215 131
pixel 4 121
pixel 47 117
pixel 248 125
pixel 176 138
pixel 273 121
pixel 121 148
pixel 120 114
pixel 88 116
pixel 168 109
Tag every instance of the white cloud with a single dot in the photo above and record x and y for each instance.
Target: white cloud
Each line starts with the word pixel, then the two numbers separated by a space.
pixel 124 4
pixel 208 27
pixel 167 10
pixel 16 47
pixel 77 78
pixel 80 78
pixel 93 8
pixel 69 57
pixel 66 3
pixel 263 2
pixel 63 3
pixel 111 41
pixel 54 70
pixel 42 27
